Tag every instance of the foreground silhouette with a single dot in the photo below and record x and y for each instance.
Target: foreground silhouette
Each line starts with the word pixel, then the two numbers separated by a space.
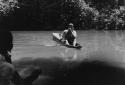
pixel 8 73
pixel 91 73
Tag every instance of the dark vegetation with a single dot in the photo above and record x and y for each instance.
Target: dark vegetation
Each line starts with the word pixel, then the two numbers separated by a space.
pixel 56 14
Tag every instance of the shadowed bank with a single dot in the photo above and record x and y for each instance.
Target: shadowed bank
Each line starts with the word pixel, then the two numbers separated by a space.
pixel 59 72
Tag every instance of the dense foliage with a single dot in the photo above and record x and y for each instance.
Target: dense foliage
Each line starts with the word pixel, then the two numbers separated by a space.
pixel 7 5
pixel 6 8
pixel 56 14
pixel 99 14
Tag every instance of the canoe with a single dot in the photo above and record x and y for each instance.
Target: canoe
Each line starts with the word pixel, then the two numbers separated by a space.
pixel 57 37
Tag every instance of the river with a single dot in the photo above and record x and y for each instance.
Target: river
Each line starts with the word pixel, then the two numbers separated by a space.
pixel 96 45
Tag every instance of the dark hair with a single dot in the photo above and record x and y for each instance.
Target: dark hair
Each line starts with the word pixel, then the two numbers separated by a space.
pixel 6 41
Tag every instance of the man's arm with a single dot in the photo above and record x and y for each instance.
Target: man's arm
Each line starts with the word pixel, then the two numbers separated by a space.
pixel 75 34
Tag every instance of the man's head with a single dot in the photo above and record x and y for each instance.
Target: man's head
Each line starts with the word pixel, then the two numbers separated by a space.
pixel 71 26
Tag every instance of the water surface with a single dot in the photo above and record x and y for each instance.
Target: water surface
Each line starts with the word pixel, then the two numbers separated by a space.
pixel 97 45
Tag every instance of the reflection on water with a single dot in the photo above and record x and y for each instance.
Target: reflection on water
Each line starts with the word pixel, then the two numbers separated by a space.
pixel 66 52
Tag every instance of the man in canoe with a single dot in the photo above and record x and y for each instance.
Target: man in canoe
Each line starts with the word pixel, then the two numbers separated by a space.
pixel 69 35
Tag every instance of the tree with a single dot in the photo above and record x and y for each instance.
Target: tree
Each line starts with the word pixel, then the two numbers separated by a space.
pixel 7 5
pixel 121 2
pixel 71 11
pixel 100 4
pixel 6 8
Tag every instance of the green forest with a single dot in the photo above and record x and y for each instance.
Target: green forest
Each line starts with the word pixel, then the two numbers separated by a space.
pixel 56 14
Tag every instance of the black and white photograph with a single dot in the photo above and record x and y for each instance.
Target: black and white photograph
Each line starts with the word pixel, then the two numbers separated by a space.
pixel 62 42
